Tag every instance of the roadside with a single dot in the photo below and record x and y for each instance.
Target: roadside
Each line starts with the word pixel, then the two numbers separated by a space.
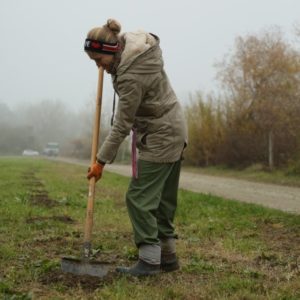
pixel 254 173
pixel 274 196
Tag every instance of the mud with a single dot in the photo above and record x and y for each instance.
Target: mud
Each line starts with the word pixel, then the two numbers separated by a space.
pixel 63 219
pixel 42 199
pixel 87 283
pixel 35 183
pixel 49 244
pixel 37 192
pixel 31 180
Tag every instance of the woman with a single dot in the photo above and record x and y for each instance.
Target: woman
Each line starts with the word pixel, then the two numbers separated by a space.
pixel 148 106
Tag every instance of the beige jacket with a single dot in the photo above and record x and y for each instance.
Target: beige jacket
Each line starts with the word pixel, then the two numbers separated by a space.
pixel 146 102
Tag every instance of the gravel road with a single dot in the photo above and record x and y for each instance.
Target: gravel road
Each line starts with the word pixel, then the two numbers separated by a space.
pixel 270 195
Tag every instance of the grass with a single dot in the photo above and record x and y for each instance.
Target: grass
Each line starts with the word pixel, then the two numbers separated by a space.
pixel 227 249
pixel 256 173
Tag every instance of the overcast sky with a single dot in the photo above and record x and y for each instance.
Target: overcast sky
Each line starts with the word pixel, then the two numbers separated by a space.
pixel 41 48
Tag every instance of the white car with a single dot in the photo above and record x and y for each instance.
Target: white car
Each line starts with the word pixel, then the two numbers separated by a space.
pixel 29 152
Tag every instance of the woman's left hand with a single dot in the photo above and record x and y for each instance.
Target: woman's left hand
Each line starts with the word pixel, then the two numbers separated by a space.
pixel 95 171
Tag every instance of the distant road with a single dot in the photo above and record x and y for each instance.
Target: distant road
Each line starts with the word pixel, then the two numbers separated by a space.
pixel 275 196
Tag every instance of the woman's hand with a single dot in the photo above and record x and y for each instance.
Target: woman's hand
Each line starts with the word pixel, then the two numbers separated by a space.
pixel 95 171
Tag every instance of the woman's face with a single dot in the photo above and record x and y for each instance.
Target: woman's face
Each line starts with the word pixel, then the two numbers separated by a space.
pixel 105 61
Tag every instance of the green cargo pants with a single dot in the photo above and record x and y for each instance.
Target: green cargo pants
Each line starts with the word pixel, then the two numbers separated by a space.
pixel 152 200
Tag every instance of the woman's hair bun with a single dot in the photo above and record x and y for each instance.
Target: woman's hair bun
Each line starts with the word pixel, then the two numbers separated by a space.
pixel 114 26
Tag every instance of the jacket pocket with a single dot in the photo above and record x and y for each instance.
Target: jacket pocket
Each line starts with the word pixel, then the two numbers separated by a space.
pixel 141 141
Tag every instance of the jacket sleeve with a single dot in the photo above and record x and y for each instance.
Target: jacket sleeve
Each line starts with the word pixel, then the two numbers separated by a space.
pixel 130 95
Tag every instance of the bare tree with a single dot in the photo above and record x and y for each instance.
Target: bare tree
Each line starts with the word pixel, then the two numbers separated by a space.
pixel 262 80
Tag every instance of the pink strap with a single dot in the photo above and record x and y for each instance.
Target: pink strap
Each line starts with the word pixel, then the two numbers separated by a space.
pixel 133 155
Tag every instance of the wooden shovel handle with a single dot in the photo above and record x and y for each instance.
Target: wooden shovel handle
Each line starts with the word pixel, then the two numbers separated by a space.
pixel 95 141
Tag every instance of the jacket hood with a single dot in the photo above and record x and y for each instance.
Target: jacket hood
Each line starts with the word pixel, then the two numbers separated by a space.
pixel 141 54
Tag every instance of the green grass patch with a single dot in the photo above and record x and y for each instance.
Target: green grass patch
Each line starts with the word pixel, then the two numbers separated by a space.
pixel 227 249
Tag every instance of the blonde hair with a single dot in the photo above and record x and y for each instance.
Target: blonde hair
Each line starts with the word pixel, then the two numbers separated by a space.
pixel 108 33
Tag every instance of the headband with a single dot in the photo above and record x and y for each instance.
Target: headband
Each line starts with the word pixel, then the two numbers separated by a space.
pixel 101 47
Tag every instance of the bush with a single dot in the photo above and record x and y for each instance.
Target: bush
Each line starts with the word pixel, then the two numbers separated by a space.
pixel 294 168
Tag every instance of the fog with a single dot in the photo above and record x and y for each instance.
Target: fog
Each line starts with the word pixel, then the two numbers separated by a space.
pixel 42 57
pixel 43 65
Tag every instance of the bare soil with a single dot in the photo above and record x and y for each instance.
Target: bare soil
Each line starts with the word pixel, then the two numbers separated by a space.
pixel 37 193
pixel 63 219
pixel 87 283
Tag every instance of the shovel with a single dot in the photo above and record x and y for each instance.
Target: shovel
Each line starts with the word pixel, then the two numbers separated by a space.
pixel 85 265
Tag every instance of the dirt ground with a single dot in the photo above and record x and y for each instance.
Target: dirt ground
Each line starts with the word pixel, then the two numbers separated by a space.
pixel 262 259
pixel 274 196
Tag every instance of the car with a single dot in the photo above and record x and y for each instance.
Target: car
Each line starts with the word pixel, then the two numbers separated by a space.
pixel 29 152
pixel 51 149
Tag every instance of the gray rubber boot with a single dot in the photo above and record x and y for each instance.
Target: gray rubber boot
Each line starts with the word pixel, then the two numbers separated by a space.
pixel 169 263
pixel 148 263
pixel 141 268
pixel 169 260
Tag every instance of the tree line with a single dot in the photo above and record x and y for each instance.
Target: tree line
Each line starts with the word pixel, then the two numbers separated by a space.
pixel 255 119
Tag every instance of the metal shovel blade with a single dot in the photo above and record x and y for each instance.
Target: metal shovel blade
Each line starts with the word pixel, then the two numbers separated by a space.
pixel 84 267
